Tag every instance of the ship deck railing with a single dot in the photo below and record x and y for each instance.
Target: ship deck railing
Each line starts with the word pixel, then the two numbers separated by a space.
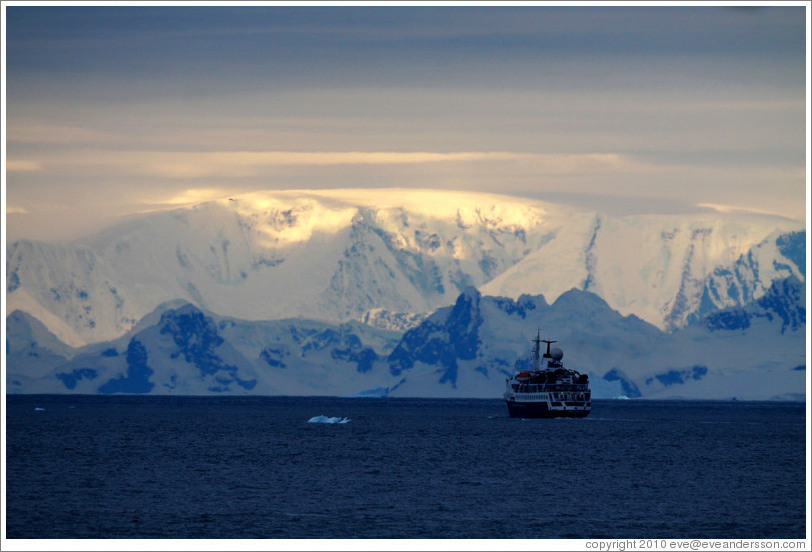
pixel 546 387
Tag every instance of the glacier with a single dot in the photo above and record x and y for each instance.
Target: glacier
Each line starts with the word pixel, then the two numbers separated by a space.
pixel 389 258
pixel 755 352
pixel 422 293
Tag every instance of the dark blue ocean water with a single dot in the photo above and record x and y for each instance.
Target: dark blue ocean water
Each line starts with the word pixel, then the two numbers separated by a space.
pixel 161 467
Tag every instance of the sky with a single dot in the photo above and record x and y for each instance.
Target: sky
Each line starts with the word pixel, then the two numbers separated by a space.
pixel 117 110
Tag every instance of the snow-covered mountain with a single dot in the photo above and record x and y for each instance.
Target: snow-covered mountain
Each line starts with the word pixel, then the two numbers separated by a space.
pixel 465 350
pixel 752 352
pixel 667 270
pixel 390 257
pixel 179 349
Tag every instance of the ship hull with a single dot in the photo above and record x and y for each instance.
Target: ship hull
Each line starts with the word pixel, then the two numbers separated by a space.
pixel 541 410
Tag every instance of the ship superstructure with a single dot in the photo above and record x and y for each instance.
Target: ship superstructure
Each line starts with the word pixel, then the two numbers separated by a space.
pixel 548 390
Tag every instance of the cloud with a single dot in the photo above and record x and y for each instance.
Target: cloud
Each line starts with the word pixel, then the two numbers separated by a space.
pixel 32 132
pixel 584 163
pixel 193 195
pixel 238 164
pixel 739 209
pixel 199 164
pixel 242 163
pixel 12 210
pixel 189 196
pixel 22 166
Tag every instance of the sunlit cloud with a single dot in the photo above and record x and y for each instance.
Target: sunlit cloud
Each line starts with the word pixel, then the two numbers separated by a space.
pixel 13 210
pixel 537 103
pixel 739 209
pixel 22 166
pixel 199 164
pixel 190 196
pixel 193 195
pixel 241 163
pixel 244 164
pixel 238 164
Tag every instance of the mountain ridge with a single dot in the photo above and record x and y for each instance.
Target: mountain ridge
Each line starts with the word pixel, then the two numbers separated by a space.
pixel 338 255
pixel 463 350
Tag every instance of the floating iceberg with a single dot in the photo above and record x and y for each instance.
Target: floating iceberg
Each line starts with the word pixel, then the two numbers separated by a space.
pixel 327 420
pixel 39 409
pixel 377 392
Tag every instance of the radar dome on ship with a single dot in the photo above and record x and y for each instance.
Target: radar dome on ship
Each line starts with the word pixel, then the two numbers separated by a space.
pixel 557 354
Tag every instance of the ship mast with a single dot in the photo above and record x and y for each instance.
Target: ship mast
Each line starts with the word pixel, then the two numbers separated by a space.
pixel 537 356
pixel 537 351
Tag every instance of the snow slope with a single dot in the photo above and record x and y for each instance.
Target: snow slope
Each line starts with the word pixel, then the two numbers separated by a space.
pixel 390 257
pixel 754 352
pixel 465 350
pixel 185 351
pixel 656 268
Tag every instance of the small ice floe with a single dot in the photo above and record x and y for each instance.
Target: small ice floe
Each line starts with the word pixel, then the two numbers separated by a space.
pixel 327 420
pixel 38 408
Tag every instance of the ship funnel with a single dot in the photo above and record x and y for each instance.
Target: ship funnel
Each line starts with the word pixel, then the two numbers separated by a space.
pixel 548 342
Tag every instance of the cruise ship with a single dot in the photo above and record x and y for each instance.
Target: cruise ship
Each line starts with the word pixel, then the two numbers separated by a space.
pixel 548 390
